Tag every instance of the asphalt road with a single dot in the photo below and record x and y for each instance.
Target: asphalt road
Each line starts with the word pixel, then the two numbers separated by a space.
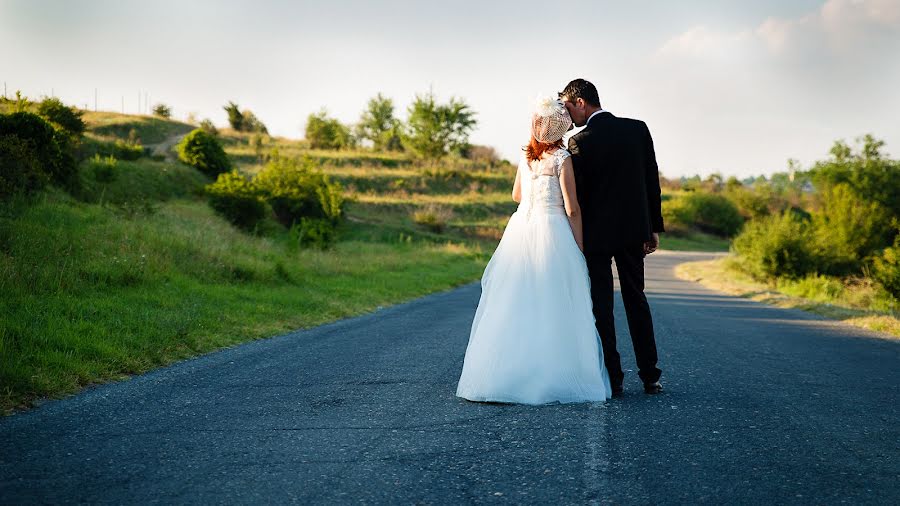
pixel 762 405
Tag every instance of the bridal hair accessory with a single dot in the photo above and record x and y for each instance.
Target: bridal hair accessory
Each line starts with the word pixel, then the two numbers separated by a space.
pixel 550 120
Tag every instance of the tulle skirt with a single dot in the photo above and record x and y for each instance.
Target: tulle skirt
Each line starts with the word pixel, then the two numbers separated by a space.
pixel 533 339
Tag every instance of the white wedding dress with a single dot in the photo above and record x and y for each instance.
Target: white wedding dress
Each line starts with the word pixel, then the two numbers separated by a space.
pixel 533 339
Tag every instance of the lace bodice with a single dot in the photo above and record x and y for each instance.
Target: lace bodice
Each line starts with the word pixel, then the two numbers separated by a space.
pixel 541 191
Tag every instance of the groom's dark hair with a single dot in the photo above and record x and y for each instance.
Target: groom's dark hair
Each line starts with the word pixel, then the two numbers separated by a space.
pixel 580 88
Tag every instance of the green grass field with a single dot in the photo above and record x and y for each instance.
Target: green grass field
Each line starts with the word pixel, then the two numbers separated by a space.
pixel 138 272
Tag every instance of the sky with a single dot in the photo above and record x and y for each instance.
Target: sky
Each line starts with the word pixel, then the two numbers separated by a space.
pixel 725 86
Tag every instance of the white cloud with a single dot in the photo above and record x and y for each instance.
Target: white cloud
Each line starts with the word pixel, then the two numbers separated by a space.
pixel 839 26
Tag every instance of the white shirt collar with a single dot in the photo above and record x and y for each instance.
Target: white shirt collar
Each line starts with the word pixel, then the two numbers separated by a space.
pixel 595 113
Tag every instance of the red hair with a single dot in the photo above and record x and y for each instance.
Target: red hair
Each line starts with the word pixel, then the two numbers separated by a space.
pixel 535 149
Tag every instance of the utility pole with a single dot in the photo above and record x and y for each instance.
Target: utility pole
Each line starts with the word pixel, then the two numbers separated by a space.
pixel 95 99
pixel 123 104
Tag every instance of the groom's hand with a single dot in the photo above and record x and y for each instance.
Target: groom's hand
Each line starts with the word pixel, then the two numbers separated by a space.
pixel 651 245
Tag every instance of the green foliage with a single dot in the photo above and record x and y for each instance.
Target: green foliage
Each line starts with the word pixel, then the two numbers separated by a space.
pixel 235 118
pixel 776 245
pixel 312 232
pixel 51 146
pixel 243 121
pixel 103 170
pixel 750 203
pixel 20 169
pixel 434 130
pixel 865 170
pixel 848 229
pixel 162 110
pixel 68 118
pixel 203 152
pixel 705 212
pixel 886 268
pixel 236 198
pixel 379 125
pixel 295 190
pixel 323 132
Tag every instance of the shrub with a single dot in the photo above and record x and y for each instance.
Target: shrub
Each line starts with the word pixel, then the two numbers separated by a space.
pixel 323 132
pixel 20 170
pixel 886 268
pixel 848 229
pixel 295 190
pixel 236 198
pixel 68 118
pixel 313 232
pixel 706 212
pixel 777 245
pixel 162 110
pixel 51 147
pixel 203 152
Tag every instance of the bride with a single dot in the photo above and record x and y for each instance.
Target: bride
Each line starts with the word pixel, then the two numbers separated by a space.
pixel 533 339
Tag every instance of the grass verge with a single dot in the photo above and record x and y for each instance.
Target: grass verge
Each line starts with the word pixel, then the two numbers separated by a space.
pixel 857 305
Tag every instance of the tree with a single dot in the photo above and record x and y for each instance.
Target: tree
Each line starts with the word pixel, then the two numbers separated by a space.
pixel 378 124
pixel 162 110
pixel 235 118
pixel 244 121
pixel 867 171
pixel 433 129
pixel 323 132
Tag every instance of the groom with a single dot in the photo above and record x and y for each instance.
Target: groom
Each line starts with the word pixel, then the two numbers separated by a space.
pixel 617 183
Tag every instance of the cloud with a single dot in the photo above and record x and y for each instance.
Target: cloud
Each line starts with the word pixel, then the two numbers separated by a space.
pixel 839 27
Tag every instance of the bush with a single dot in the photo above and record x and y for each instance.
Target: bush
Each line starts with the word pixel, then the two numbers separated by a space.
pixel 203 152
pixel 51 147
pixel 295 190
pixel 313 232
pixel 848 229
pixel 162 110
pixel 886 268
pixel 777 245
pixel 706 212
pixel 68 118
pixel 323 132
pixel 236 198
pixel 20 170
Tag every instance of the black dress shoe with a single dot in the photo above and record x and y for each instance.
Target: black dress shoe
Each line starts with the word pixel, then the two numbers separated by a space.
pixel 617 390
pixel 653 388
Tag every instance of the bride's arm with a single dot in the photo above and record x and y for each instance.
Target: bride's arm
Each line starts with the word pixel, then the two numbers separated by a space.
pixel 517 187
pixel 573 210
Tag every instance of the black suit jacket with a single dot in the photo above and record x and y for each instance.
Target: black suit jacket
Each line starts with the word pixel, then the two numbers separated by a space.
pixel 617 183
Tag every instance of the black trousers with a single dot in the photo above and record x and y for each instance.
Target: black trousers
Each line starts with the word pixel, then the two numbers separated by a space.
pixel 630 265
